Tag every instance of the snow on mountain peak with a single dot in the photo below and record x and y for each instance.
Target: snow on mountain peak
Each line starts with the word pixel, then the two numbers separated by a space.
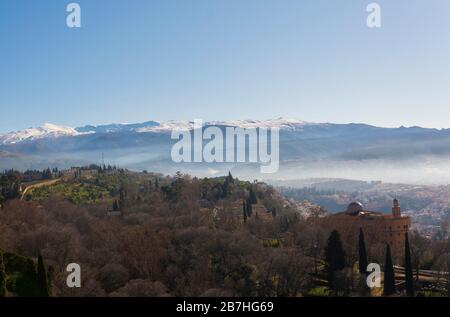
pixel 166 126
pixel 47 130
pixel 48 127
pixel 281 123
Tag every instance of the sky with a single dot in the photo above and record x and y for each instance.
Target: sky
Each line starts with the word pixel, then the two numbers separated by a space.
pixel 140 60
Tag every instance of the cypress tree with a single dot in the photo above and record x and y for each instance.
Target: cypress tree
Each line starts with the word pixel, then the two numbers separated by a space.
pixel 2 276
pixel 115 205
pixel 122 195
pixel 362 253
pixel 42 278
pixel 253 198
pixel 408 269
pixel 227 186
pixel 249 207
pixel 274 212
pixel 334 255
pixel 244 209
pixel 389 275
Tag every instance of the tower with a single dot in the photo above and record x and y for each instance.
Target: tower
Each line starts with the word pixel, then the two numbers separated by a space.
pixel 396 211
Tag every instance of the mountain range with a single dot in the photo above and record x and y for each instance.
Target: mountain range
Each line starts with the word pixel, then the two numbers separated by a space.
pixel 49 130
pixel 354 150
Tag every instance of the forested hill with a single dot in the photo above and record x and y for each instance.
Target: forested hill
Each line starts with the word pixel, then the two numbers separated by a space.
pixel 155 234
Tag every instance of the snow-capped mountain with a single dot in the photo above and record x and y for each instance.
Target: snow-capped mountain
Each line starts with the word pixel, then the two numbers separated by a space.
pixel 306 149
pixel 48 130
pixel 281 123
pixel 54 131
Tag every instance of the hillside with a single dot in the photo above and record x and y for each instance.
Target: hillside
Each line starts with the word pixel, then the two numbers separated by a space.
pixel 156 235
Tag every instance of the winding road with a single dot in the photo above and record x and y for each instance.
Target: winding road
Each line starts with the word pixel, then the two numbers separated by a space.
pixel 37 185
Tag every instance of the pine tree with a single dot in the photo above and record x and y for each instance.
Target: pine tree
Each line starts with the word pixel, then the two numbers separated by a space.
pixel 362 253
pixel 334 256
pixel 408 269
pixel 2 276
pixel 389 275
pixel 42 278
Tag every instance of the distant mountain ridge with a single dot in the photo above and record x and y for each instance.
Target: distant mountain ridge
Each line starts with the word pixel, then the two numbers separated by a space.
pixel 307 150
pixel 49 130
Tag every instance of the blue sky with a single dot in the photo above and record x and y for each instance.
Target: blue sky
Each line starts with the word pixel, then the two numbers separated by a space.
pixel 139 60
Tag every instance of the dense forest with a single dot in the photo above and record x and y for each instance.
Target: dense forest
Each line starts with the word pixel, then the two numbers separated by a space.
pixel 146 234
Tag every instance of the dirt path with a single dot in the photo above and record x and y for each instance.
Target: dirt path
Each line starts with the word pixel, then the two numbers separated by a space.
pixel 37 185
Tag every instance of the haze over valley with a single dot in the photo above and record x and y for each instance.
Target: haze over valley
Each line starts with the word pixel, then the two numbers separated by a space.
pixel 411 155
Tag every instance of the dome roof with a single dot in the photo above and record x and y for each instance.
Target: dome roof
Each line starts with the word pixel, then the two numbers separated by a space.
pixel 355 208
